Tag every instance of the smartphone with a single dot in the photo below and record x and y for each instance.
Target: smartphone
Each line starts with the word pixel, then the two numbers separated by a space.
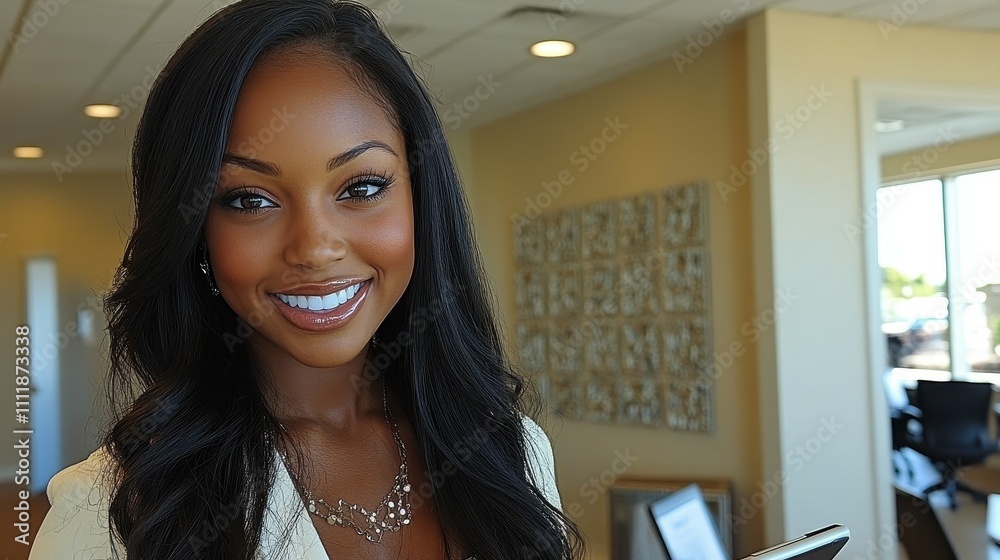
pixel 822 544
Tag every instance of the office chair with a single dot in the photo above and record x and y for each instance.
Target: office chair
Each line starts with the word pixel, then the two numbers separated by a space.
pixel 920 531
pixel 954 418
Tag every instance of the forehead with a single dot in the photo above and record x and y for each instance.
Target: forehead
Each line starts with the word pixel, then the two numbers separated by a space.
pixel 291 101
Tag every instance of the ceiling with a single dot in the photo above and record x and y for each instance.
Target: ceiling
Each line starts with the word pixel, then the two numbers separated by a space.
pixel 64 54
pixel 930 125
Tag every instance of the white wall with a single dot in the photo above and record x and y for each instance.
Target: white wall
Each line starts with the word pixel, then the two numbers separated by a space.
pixel 807 201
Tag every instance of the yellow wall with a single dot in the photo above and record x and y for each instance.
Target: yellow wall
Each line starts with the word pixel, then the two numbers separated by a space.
pixel 911 165
pixel 82 223
pixel 681 127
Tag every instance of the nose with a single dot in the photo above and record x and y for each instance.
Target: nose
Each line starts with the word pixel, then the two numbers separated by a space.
pixel 314 240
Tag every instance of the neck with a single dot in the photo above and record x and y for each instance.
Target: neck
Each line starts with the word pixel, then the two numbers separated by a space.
pixel 338 398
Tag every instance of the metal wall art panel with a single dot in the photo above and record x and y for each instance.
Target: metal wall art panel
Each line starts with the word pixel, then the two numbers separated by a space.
pixel 614 309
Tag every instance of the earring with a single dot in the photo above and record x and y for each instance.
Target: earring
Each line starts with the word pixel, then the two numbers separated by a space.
pixel 375 342
pixel 207 271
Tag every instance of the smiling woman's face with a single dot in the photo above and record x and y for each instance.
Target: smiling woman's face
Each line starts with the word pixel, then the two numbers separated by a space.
pixel 310 233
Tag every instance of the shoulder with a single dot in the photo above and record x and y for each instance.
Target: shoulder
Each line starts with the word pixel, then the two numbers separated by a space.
pixel 84 482
pixel 534 435
pixel 540 460
pixel 76 525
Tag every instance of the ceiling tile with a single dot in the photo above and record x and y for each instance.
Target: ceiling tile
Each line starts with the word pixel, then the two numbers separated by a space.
pixel 536 26
pixel 479 55
pixel 67 66
pixel 9 12
pixel 822 6
pixel 607 7
pixel 91 24
pixel 914 11
pixel 982 19
pixel 699 11
pixel 423 41
pixel 643 41
pixel 449 15
pixel 702 11
pixel 141 5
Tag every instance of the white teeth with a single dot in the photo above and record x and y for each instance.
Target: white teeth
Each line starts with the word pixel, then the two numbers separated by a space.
pixel 321 303
pixel 330 301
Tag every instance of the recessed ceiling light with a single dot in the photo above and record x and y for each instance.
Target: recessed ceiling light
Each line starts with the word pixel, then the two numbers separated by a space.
pixel 552 49
pixel 100 111
pixel 28 152
pixel 889 125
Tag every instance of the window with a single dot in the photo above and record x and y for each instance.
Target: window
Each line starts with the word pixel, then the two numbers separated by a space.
pixel 939 250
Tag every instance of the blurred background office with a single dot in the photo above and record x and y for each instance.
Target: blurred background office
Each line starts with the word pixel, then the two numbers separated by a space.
pixel 846 151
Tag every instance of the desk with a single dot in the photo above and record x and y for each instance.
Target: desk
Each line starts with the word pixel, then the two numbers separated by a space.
pixel 984 479
pixel 965 527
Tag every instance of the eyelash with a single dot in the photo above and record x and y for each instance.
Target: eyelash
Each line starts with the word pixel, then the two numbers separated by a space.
pixel 384 181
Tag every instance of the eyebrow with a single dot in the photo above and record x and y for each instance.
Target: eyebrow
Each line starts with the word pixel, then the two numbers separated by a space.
pixel 267 168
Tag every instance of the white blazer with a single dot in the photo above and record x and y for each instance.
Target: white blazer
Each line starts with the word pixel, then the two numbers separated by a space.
pixel 76 527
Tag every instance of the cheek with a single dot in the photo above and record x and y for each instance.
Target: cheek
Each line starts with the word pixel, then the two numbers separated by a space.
pixel 238 260
pixel 394 244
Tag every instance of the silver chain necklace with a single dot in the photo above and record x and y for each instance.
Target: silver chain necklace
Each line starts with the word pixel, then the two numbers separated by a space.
pixel 391 513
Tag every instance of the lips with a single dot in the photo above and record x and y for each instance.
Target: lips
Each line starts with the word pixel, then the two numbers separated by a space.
pixel 321 311
pixel 325 287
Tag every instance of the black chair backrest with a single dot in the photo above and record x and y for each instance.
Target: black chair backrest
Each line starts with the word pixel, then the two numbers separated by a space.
pixel 954 413
pixel 920 532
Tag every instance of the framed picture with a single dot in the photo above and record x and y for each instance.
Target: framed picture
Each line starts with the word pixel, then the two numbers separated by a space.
pixel 634 535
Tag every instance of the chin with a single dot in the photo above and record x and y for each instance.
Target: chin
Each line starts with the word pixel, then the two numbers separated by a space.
pixel 325 360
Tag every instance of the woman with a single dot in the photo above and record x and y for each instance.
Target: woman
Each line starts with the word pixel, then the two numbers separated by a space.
pixel 304 357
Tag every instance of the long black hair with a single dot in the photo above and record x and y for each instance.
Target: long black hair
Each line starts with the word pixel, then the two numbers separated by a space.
pixel 193 438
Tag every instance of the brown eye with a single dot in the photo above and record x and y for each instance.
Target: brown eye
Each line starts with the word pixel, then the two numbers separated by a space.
pixel 368 188
pixel 246 201
pixel 363 190
pixel 250 201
